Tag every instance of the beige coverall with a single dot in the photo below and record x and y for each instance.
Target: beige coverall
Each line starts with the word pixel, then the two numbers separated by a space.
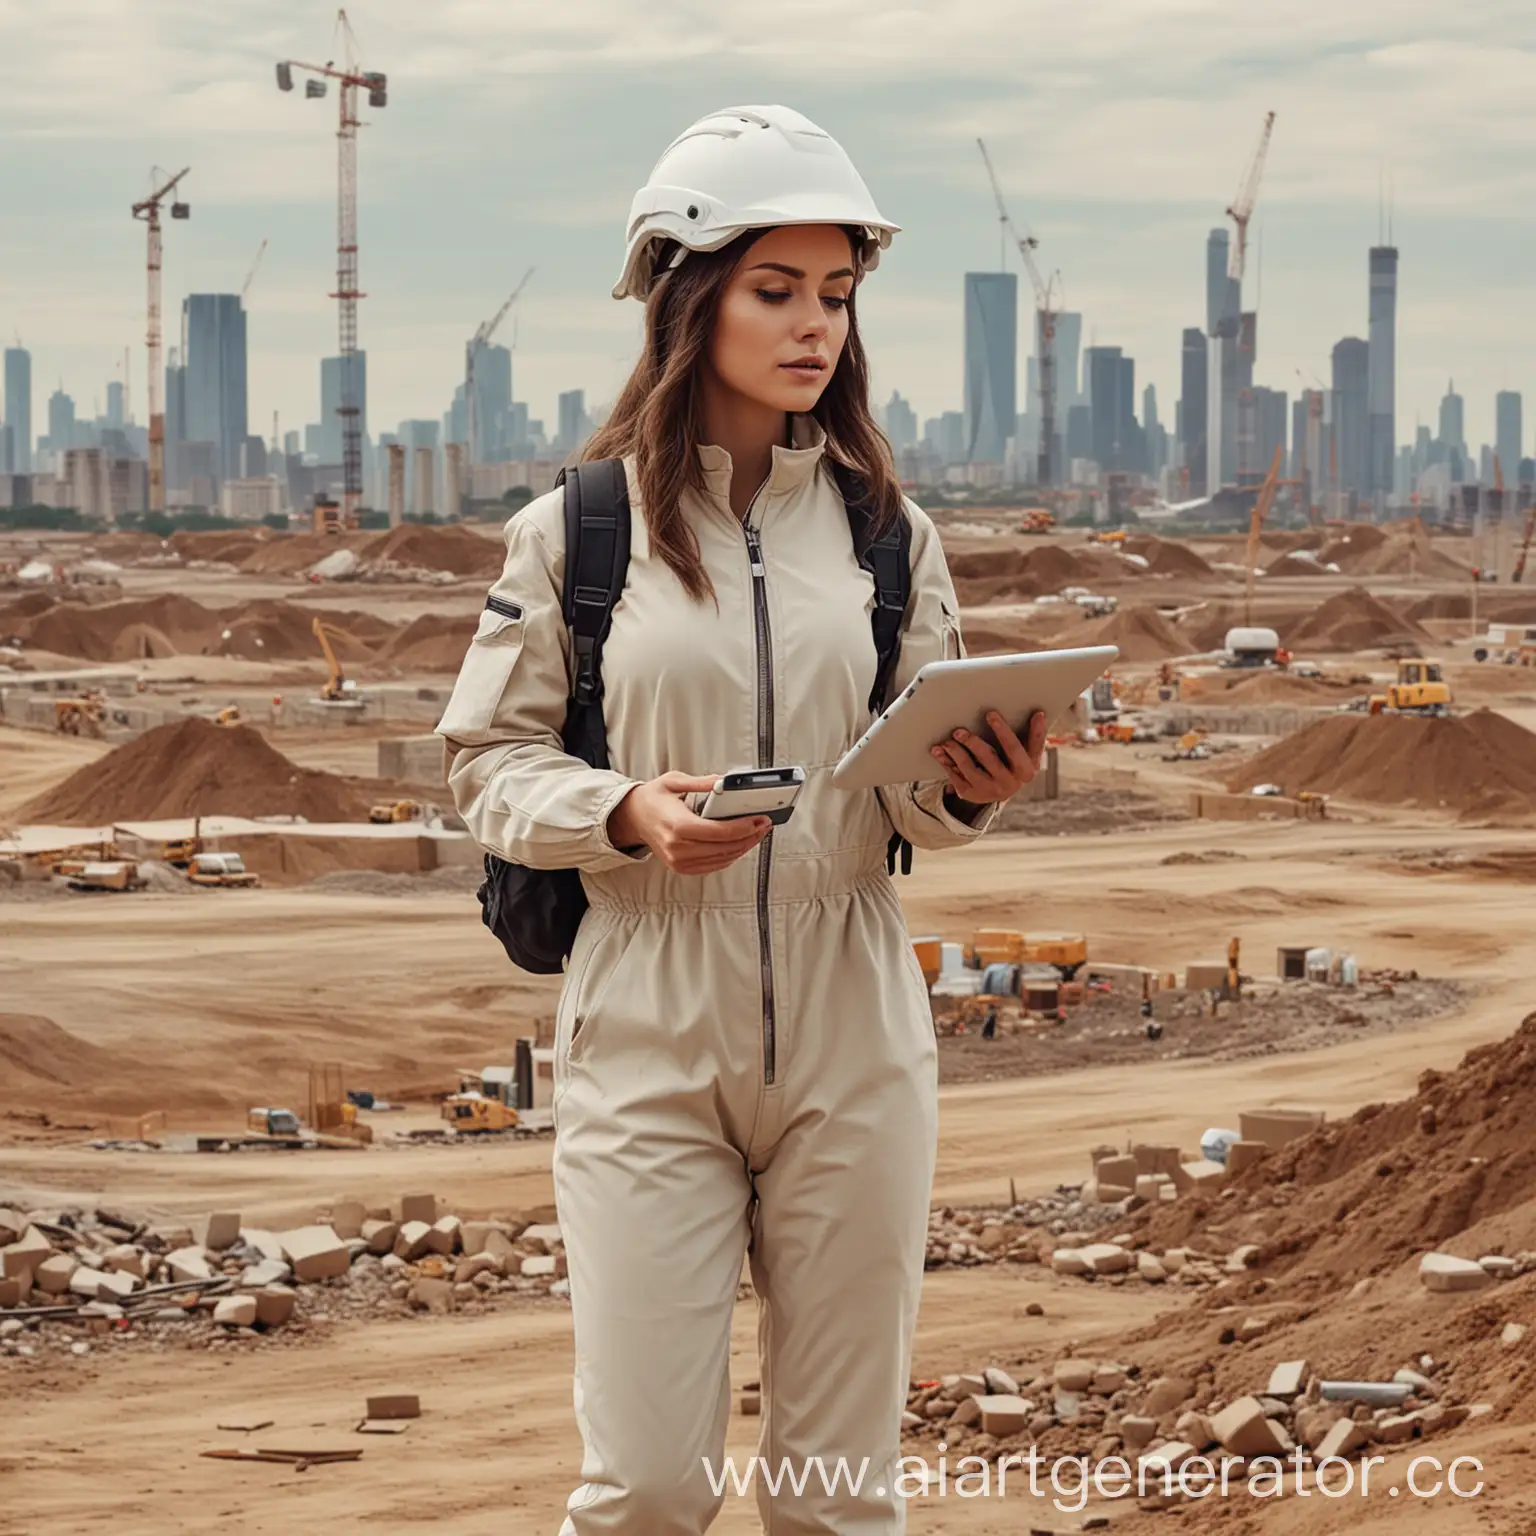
pixel 741 1055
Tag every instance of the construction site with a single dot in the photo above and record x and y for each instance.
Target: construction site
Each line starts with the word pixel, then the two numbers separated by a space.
pixel 1233 1016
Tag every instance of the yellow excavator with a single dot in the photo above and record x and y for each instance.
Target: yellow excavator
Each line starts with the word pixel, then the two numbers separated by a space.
pixel 338 687
pixel 1420 689
pixel 395 810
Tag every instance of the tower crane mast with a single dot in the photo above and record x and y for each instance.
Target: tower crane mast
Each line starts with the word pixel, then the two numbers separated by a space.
pixel 481 339
pixel 1047 308
pixel 1240 210
pixel 350 79
pixel 148 211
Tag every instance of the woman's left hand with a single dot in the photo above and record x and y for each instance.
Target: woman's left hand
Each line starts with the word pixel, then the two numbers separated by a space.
pixel 983 774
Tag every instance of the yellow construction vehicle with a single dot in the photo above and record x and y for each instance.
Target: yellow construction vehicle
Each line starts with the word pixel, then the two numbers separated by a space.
pixel 338 688
pixel 328 517
pixel 80 717
pixel 1115 537
pixel 1067 952
pixel 1036 520
pixel 229 715
pixel 393 811
pixel 331 1112
pixel 272 1122
pixel 1420 689
pixel 1191 747
pixel 222 869
pixel 472 1114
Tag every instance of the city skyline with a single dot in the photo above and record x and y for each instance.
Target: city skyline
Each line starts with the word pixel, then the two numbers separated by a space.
pixel 1121 204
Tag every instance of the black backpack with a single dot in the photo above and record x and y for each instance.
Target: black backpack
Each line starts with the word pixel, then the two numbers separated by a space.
pixel 535 912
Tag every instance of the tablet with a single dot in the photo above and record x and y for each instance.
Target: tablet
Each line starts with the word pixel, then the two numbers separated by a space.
pixel 946 696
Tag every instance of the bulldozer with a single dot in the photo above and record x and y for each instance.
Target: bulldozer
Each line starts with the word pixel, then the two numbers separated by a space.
pixel 395 811
pixel 1420 689
pixel 473 1114
pixel 1189 748
pixel 229 715
pixel 80 717
pixel 1113 537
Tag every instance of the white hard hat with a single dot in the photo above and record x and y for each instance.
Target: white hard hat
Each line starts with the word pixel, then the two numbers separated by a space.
pixel 746 168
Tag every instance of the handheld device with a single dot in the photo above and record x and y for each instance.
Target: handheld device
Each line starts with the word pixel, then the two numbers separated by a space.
pixel 769 792
pixel 946 696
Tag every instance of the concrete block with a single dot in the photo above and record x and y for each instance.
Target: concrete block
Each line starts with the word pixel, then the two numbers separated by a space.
pixel 497 1244
pixel 547 1232
pixel 15 1289
pixel 1137 1431
pixel 1151 1268
pixel 236 1311
pixel 1242 1428
pixel 115 1284
pixel 83 1282
pixel 267 1244
pixel 999 1382
pixel 1074 1375
pixel 1149 1186
pixel 26 1253
pixel 1276 1127
pixel 1205 975
pixel 316 1253
pixel 124 1258
pixel 380 1236
pixel 1395 1429
pixel 1108 1380
pixel 394 1405
pixel 1443 1272
pixel 1119 1171
pixel 434 1295
pixel 1287 1379
pixel 1167 1458
pixel 1003 1413
pixel 347 1218
pixel 274 1305
pixel 411 1241
pixel 1166 1394
pixel 1498 1266
pixel 223 1231
pixel 1096 1192
pixel 537 1265
pixel 1155 1159
pixel 1070 1261
pixel 54 1273
pixel 418 1208
pixel 1107 1258
pixel 268 1272
pixel 967 1412
pixel 473 1236
pixel 1244 1154
pixel 12 1225
pixel 444 1237
pixel 1202 1173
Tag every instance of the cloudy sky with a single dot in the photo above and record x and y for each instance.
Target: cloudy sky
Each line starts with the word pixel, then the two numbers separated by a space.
pixel 517 131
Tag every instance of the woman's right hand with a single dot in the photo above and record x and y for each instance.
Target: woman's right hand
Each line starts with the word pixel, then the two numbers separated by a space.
pixel 653 815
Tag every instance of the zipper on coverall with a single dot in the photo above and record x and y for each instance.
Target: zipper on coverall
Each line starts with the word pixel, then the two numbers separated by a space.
pixel 764 760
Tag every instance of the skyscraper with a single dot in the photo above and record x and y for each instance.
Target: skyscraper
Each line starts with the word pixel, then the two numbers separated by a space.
pixel 332 429
pixel 1218 302
pixel 1069 346
pixel 1507 434
pixel 1194 412
pixel 991 364
pixel 216 377
pixel 18 407
pixel 1106 391
pixel 1271 427
pixel 115 416
pixel 1453 432
pixel 1381 390
pixel 1351 416
pixel 493 401
pixel 573 419
pixel 1223 323
pixel 61 424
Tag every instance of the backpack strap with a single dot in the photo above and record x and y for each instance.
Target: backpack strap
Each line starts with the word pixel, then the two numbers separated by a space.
pixel 888 559
pixel 596 565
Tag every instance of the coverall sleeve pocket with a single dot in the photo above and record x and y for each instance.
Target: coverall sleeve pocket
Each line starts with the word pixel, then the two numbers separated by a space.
pixel 484 674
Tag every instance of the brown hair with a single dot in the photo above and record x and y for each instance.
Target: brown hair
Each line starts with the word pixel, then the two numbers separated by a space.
pixel 659 414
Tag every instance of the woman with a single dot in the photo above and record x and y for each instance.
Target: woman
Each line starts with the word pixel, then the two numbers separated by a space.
pixel 745 1059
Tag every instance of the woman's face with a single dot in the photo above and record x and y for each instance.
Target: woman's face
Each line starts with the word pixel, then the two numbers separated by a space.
pixel 783 319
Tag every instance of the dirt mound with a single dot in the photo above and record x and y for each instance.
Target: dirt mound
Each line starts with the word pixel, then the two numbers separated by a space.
pixel 1001 575
pixel 1279 688
pixel 141 642
pixel 293 553
pixel 45 1067
pixel 28 606
pixel 452 548
pixel 1141 632
pixel 1296 563
pixel 270 629
pixel 1165 557
pixel 431 643
pixel 173 623
pixel 1389 549
pixel 1511 608
pixel 1208 628
pixel 193 767
pixel 1355 621
pixel 1478 765
pixel 227 546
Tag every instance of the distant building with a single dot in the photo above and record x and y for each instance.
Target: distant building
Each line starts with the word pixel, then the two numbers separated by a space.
pixel 493 403
pixel 1351 386
pixel 328 441
pixel 900 423
pixel 1271 427
pixel 1106 403
pixel 250 500
pixel 1079 434
pixel 1508 433
pixel 572 416
pixel 1381 386
pixel 18 408
pixel 216 377
pixel 1453 433
pixel 115 405
pixel 61 426
pixel 1069 346
pixel 991 364
pixel 1193 408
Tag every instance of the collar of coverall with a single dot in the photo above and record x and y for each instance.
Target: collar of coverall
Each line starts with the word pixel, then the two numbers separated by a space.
pixel 792 467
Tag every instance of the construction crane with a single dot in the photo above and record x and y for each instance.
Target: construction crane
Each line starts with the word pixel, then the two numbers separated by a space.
pixel 1261 506
pixel 250 276
pixel 351 79
pixel 1047 308
pixel 1518 574
pixel 481 339
pixel 148 210
pixel 1240 210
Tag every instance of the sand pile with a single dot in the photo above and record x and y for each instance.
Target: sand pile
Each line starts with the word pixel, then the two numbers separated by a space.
pixel 193 767
pixel 1355 621
pixel 1010 574
pixel 1506 608
pixel 1164 557
pixel 228 546
pixel 1297 563
pixel 1141 632
pixel 45 1068
pixel 430 643
pixel 1480 765
pixel 1279 688
pixel 1390 549
pixel 292 554
pixel 273 630
pixel 450 548
pixel 167 624
pixel 1208 628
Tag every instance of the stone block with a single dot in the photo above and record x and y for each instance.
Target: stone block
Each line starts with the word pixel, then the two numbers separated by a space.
pixel 444 1237
pixel 1444 1273
pixel 1242 1155
pixel 421 1208
pixel 394 1405
pixel 1137 1431
pixel 538 1265
pixel 1156 1159
pixel 223 1231
pixel 15 1289
pixel 1107 1258
pixel 434 1295
pixel 999 1382
pixel 380 1236
pixel 1201 1173
pixel 1074 1375
pixel 1287 1379
pixel 54 1274
pixel 1395 1429
pixel 12 1225
pixel 26 1253
pixel 1003 1414
pixel 1166 1394
pixel 1149 1186
pixel 267 1272
pixel 1109 1379
pixel 1498 1266
pixel 547 1233
pixel 274 1305
pixel 115 1284
pixel 1276 1127
pixel 1151 1268
pixel 480 1264
pixel 124 1258
pixel 1242 1428
pixel 1512 1335
pixel 1119 1171
pixel 347 1218
pixel 316 1253
pixel 967 1412
pixel 268 1244
pixel 1166 1459
pixel 411 1241
pixel 82 1282
pixel 236 1311
pixel 1070 1261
